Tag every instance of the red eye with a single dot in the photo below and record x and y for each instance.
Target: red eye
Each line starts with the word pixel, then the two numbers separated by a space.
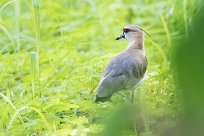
pixel 126 30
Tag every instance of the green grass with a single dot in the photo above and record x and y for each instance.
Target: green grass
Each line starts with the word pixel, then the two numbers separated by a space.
pixel 53 54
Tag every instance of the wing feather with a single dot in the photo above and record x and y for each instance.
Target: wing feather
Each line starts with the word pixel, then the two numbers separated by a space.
pixel 123 71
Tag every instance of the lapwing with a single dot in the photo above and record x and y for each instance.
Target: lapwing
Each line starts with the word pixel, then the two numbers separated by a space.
pixel 127 69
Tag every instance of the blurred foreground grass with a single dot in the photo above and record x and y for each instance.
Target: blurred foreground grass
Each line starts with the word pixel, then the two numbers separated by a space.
pixel 72 41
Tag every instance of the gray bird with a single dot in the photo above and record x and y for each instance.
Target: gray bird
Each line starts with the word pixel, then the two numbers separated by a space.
pixel 127 69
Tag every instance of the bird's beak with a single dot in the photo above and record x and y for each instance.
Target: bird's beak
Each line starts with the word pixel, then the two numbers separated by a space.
pixel 120 37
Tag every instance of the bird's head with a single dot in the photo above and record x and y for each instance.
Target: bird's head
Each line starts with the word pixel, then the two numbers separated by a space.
pixel 132 33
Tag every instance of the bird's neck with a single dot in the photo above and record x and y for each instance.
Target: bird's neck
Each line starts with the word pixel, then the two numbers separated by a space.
pixel 136 41
pixel 136 44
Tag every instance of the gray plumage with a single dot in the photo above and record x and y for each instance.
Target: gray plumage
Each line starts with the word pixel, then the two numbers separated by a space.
pixel 125 70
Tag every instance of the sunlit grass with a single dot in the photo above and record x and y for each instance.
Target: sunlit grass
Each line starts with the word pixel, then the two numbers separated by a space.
pixel 17 24
pixel 54 52
pixel 35 73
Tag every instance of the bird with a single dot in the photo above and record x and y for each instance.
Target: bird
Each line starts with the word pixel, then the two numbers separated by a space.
pixel 125 70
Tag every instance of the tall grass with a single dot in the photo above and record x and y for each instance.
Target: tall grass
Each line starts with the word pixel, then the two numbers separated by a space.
pixel 185 17
pixel 17 25
pixel 36 21
pixel 34 109
pixel 3 28
pixel 35 55
pixel 35 73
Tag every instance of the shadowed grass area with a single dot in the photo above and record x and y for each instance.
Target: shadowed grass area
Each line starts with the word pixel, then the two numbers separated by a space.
pixel 74 40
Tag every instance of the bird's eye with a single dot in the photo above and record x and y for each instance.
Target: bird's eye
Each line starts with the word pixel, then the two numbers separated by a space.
pixel 126 30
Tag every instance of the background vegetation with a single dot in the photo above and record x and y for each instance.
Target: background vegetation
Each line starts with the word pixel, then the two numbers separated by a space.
pixel 53 54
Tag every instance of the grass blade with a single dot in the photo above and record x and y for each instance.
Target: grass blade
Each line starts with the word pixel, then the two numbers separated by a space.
pixel 168 36
pixel 34 109
pixel 36 15
pixel 17 27
pixel 6 4
pixel 35 72
pixel 12 105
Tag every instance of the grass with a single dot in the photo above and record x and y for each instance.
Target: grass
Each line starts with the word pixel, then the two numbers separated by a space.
pixel 67 44
pixel 35 72
pixel 17 25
